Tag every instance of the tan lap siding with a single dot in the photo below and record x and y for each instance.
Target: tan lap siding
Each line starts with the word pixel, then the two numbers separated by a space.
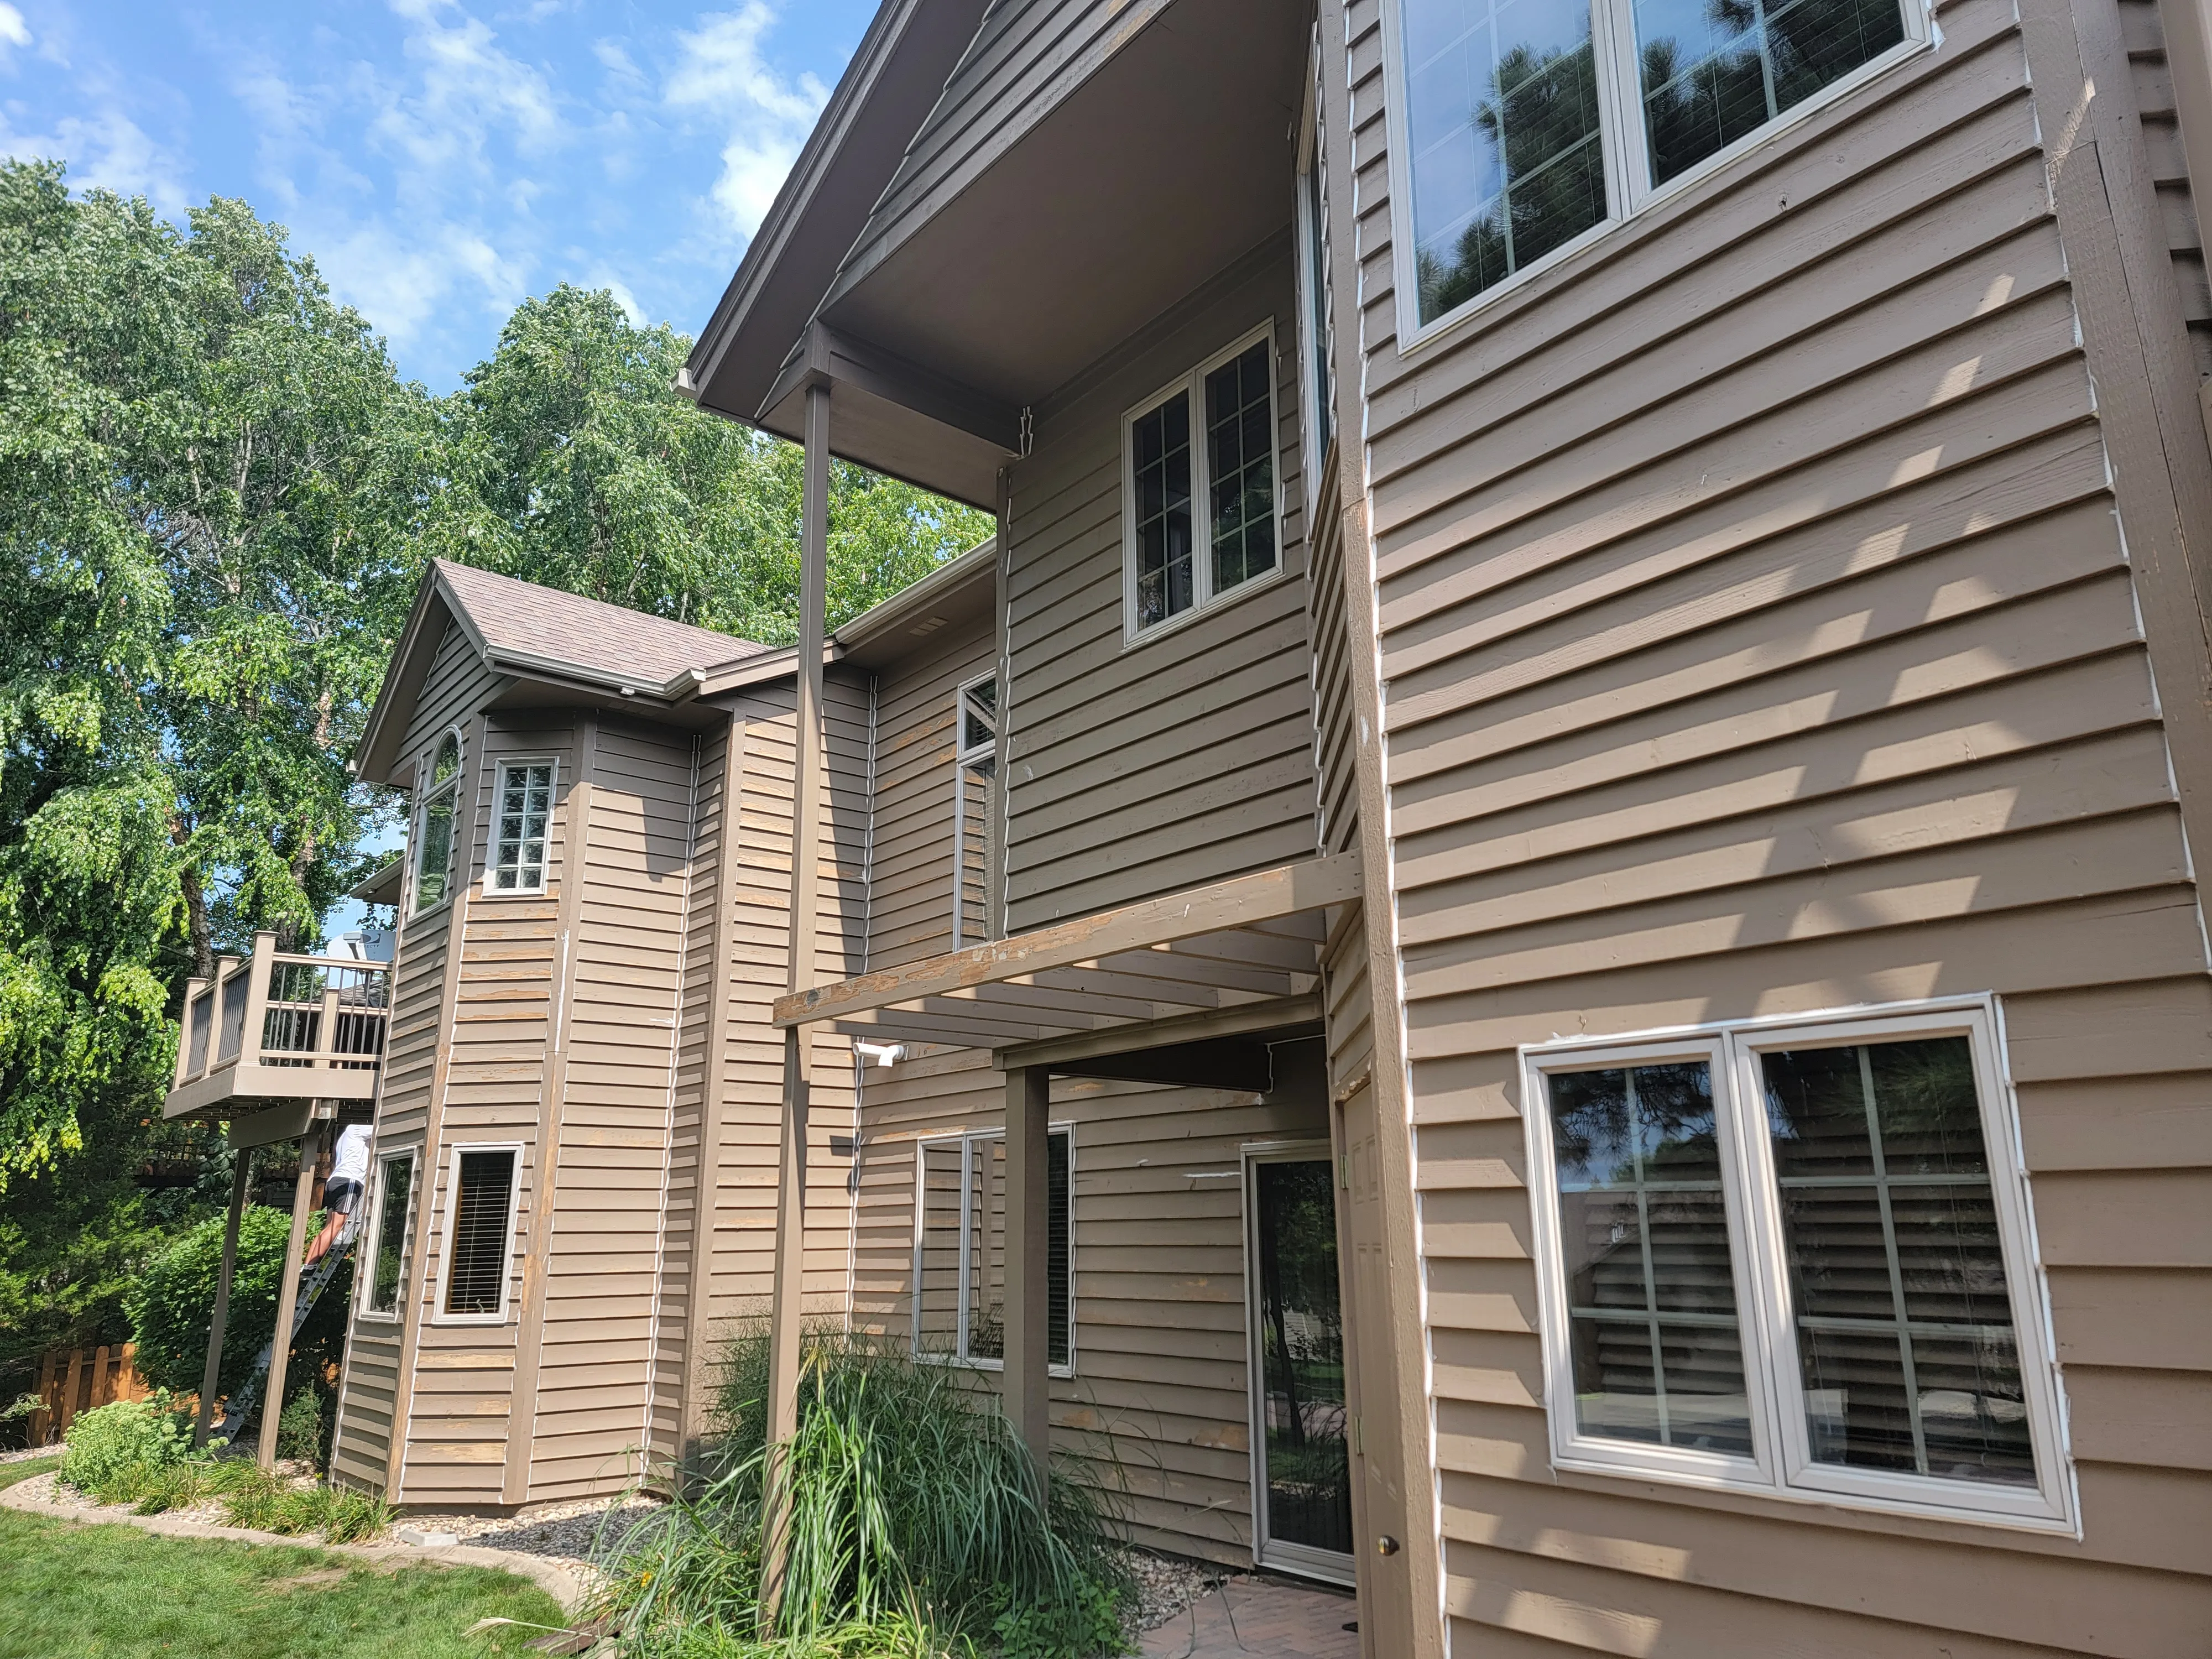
pixel 1757 636
pixel 1157 1265
pixel 462 1377
pixel 910 839
pixel 595 1363
pixel 1143 769
pixel 745 1195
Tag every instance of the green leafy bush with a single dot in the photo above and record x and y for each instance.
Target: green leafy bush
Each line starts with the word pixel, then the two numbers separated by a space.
pixel 915 1526
pixel 102 1444
pixel 173 1305
pixel 301 1430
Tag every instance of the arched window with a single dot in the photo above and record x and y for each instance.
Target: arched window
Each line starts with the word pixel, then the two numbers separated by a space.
pixel 433 826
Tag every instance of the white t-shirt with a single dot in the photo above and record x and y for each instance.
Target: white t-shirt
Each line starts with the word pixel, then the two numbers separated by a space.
pixel 349 1160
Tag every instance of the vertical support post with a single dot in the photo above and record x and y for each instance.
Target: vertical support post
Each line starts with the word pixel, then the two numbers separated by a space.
pixel 807 781
pixel 1029 1306
pixel 211 1374
pixel 287 1296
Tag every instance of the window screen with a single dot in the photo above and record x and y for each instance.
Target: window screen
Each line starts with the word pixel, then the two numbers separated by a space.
pixel 476 1273
pixel 526 802
pixel 975 766
pixel 1897 1272
pixel 395 1197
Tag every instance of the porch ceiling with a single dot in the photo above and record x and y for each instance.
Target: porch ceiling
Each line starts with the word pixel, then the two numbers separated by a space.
pixel 1238 957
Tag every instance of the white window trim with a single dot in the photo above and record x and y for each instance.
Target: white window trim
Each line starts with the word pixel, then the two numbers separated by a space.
pixel 1278 1554
pixel 492 867
pixel 1315 364
pixel 1626 156
pixel 958 1355
pixel 419 815
pixel 1204 600
pixel 438 1314
pixel 965 755
pixel 1781 1466
pixel 365 1272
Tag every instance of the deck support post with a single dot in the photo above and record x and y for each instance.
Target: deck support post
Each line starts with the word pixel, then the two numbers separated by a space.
pixel 1028 1375
pixel 807 788
pixel 211 1373
pixel 287 1296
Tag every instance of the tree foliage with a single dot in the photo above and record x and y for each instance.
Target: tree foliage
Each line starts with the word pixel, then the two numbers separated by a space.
pixel 217 497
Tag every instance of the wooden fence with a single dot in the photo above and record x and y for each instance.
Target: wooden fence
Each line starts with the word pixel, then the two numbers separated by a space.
pixel 73 1380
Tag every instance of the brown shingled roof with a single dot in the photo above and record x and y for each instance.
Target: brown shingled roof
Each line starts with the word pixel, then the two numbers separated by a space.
pixel 524 618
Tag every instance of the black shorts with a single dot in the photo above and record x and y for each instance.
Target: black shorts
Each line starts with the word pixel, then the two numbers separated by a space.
pixel 340 1197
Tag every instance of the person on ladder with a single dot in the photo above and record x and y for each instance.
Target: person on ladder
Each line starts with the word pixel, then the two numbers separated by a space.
pixel 341 1192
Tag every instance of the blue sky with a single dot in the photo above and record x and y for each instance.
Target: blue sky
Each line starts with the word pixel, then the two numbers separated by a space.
pixel 442 159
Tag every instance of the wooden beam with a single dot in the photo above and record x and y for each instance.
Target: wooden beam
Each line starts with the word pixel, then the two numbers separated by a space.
pixel 1306 886
pixel 807 792
pixel 211 1373
pixel 1243 1020
pixel 1028 1375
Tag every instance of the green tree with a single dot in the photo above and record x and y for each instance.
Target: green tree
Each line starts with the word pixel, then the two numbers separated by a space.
pixel 170 1304
pixel 574 462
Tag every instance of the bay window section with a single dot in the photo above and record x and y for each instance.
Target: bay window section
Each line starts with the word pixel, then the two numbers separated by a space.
pixel 1796 1259
pixel 1520 127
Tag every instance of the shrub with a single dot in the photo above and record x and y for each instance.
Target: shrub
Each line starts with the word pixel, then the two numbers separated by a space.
pixel 915 1526
pixel 103 1443
pixel 300 1427
pixel 173 1305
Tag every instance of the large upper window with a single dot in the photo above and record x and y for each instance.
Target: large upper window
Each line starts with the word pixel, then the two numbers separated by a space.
pixel 1199 477
pixel 433 826
pixel 1796 1259
pixel 960 1249
pixel 1524 124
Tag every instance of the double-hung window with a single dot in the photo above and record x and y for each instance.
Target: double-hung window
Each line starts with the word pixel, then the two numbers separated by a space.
pixel 480 1193
pixel 974 767
pixel 438 797
pixel 391 1225
pixel 1199 506
pixel 1795 1259
pixel 960 1249
pixel 524 809
pixel 1519 128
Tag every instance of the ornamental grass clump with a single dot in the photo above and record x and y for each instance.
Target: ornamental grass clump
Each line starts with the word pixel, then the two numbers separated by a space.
pixel 914 1530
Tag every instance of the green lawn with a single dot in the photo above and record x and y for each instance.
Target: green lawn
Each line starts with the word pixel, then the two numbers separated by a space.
pixel 78 1592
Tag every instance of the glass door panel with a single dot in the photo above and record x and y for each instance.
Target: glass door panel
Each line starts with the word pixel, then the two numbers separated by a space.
pixel 1305 1499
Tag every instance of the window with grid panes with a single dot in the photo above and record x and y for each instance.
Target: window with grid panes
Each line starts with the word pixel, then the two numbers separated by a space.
pixel 1795 1259
pixel 1200 504
pixel 1521 125
pixel 525 808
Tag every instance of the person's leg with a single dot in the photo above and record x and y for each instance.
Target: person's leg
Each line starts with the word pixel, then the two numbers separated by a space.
pixel 339 1200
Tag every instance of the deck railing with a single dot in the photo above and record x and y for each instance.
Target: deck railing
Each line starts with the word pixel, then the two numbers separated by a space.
pixel 324 1014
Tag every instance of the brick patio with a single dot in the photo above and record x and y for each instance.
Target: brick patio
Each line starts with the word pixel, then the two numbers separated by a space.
pixel 1249 1616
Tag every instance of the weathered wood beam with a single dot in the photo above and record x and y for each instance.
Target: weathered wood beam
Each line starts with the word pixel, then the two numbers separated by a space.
pixel 211 1373
pixel 287 1296
pixel 1028 1378
pixel 1309 884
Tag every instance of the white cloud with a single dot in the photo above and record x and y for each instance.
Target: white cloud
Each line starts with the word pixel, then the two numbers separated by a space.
pixel 13 29
pixel 105 150
pixel 764 117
